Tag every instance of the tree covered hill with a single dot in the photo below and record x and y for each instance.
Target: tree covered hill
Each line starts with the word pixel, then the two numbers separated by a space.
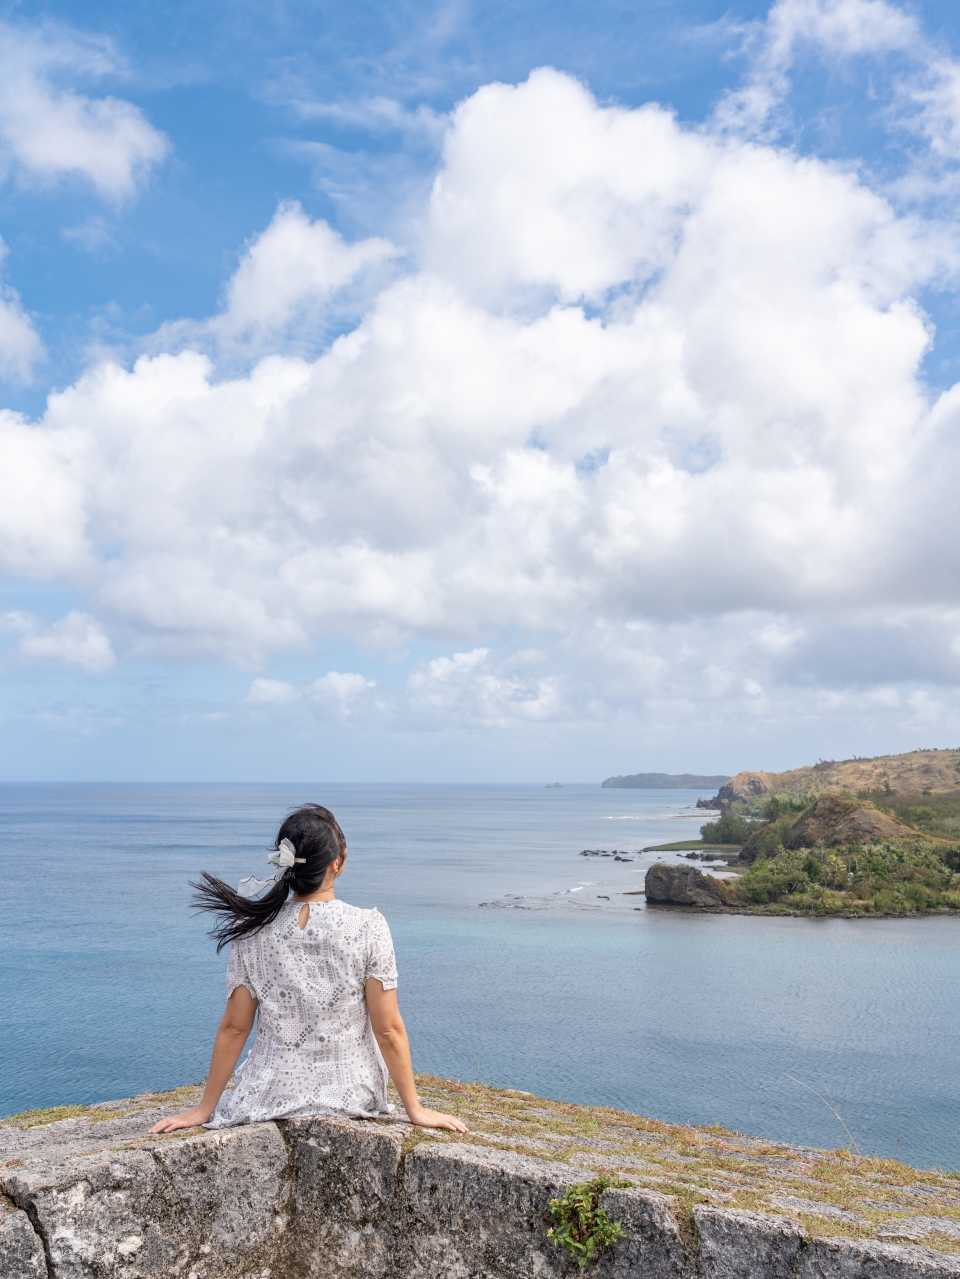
pixel 665 781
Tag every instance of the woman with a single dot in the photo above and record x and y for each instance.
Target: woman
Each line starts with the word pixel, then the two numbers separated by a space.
pixel 322 976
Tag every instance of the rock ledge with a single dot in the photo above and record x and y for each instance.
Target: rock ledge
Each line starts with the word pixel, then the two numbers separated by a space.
pixel 92 1197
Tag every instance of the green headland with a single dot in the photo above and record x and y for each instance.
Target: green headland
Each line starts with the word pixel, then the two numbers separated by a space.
pixel 854 837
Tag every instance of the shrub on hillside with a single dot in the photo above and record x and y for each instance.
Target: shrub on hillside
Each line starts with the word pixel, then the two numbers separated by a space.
pixel 771 878
pixel 728 830
pixel 770 807
pixel 886 878
pixel 937 814
pixel 777 806
pixel 767 839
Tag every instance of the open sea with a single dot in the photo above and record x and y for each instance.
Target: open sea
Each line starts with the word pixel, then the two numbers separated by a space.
pixel 521 963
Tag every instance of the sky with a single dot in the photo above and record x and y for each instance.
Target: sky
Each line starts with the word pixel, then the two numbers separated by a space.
pixel 440 392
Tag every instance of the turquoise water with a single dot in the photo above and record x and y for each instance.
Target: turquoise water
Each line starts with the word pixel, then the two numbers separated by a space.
pixel 561 984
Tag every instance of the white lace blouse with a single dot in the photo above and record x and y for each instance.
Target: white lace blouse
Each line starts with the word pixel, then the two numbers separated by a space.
pixel 314 1052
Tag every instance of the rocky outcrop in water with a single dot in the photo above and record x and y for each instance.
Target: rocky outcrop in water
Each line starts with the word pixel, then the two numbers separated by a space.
pixel 683 886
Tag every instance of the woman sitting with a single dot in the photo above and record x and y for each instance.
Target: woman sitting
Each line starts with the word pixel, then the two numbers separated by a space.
pixel 323 978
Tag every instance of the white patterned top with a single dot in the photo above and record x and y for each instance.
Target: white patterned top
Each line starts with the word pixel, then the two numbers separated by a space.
pixel 315 1052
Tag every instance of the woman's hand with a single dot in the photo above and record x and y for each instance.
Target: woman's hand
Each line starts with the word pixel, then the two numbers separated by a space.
pixel 235 1026
pixel 186 1119
pixel 424 1118
pixel 391 1036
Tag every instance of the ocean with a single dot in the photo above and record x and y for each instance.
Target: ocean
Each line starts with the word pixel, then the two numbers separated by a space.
pixel 521 962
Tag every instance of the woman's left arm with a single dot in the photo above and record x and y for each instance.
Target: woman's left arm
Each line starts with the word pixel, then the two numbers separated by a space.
pixel 232 1035
pixel 391 1035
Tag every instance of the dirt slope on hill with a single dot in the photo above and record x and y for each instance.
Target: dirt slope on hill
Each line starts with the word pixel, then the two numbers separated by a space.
pixel 835 820
pixel 932 770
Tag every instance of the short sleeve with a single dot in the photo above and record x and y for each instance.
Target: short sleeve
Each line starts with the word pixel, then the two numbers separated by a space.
pixel 381 962
pixel 238 970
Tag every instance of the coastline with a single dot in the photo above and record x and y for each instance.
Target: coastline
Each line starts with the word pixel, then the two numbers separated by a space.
pixel 774 910
pixel 678 1018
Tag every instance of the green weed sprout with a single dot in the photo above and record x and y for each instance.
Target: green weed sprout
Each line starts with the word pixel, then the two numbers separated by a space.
pixel 581 1226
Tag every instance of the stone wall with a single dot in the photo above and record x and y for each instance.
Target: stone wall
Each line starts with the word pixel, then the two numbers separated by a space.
pixel 317 1198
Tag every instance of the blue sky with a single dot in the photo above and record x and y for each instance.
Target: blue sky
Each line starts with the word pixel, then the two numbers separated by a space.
pixel 226 84
pixel 379 411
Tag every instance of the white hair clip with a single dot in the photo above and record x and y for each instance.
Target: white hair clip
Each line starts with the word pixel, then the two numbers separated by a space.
pixel 283 858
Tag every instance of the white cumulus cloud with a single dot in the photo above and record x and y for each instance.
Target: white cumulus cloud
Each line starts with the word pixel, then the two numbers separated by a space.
pixel 472 687
pixel 641 421
pixel 49 131
pixel 539 187
pixel 292 279
pixel 75 640
pixel 20 344
pixel 340 689
pixel 923 81
pixel 270 692
pixel 43 501
pixel 337 691
pixel 294 266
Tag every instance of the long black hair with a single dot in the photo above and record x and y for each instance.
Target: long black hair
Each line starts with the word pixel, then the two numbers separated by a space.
pixel 314 833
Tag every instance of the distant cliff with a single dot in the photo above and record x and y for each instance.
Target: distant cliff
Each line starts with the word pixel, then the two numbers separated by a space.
pixel 665 781
pixel 927 772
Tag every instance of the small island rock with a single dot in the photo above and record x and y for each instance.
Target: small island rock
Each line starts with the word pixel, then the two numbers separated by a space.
pixel 683 886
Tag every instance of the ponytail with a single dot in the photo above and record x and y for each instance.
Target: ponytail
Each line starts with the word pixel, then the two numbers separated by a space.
pixel 318 840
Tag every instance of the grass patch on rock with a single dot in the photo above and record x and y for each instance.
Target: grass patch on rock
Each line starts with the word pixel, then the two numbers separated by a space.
pixel 53 1115
pixel 706 1164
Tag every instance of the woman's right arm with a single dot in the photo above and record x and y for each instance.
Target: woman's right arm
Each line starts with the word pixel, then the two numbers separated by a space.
pixel 232 1035
pixel 391 1036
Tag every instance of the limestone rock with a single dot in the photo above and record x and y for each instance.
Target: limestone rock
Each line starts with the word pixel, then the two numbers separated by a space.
pixel 751 1245
pixel 93 1197
pixel 21 1251
pixel 917 1227
pixel 863 1259
pixel 746 1245
pixel 743 786
pixel 230 1186
pixel 207 1205
pixel 651 1244
pixel 482 1212
pixel 345 1184
pixel 97 1213
pixel 683 886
